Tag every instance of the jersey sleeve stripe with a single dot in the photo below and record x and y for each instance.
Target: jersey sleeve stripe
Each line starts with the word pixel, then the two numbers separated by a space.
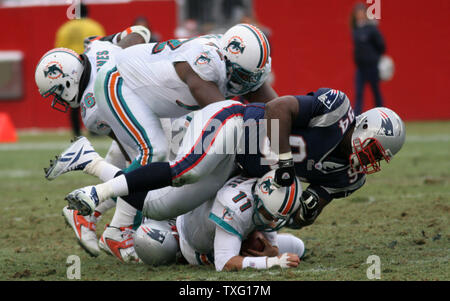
pixel 221 223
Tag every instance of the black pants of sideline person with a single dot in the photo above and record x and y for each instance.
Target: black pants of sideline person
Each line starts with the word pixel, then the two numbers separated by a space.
pixel 366 74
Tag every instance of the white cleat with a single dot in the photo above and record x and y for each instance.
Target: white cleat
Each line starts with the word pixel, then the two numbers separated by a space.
pixel 119 242
pixel 83 200
pixel 79 154
pixel 84 228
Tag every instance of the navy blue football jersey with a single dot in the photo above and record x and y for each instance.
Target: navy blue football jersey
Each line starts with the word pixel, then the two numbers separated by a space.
pixel 324 118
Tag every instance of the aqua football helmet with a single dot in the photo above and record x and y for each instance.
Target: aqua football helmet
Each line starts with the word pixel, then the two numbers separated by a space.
pixel 247 53
pixel 58 75
pixel 379 134
pixel 274 205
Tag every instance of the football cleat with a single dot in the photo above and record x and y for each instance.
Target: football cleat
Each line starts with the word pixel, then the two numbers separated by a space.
pixel 84 228
pixel 84 200
pixel 79 154
pixel 119 242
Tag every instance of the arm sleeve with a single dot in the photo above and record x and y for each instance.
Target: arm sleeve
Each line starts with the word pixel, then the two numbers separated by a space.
pixel 324 104
pixel 226 246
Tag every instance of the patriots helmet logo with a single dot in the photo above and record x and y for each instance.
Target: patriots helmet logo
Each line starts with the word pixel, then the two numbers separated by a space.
pixel 54 71
pixel 329 98
pixel 235 45
pixel 155 234
pixel 386 129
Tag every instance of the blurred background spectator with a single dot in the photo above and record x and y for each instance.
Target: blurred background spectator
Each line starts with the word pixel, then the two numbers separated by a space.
pixel 71 35
pixel 197 17
pixel 368 47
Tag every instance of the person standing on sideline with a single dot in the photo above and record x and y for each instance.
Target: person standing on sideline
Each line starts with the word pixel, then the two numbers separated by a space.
pixel 71 35
pixel 368 47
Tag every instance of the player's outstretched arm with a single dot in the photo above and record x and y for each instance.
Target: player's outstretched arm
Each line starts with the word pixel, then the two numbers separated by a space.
pixel 283 109
pixel 226 255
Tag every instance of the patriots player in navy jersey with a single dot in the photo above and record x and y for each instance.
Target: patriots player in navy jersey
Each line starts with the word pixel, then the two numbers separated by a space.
pixel 320 141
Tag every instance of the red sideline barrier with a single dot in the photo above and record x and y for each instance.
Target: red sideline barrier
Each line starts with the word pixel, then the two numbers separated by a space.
pixel 312 47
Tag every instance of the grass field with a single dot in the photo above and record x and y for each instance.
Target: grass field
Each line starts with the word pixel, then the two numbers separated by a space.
pixel 401 215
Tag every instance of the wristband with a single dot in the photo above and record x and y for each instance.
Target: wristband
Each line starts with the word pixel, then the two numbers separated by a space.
pixel 285 156
pixel 255 262
pixel 140 30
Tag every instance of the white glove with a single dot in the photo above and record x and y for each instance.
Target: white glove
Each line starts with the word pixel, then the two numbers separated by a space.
pixel 282 261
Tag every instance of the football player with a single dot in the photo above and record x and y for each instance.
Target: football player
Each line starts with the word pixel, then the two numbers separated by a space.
pixel 215 232
pixel 147 82
pixel 68 78
pixel 320 141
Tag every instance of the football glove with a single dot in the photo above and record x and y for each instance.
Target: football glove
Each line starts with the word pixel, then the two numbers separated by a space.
pixel 285 173
pixel 308 211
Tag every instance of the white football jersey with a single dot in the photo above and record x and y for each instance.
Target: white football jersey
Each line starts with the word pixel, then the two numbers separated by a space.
pixel 99 53
pixel 232 210
pixel 148 69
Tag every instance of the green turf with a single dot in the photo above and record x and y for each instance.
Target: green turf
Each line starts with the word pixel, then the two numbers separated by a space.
pixel 400 215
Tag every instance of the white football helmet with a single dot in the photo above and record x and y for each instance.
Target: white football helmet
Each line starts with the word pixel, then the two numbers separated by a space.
pixel 247 53
pixel 379 134
pixel 156 242
pixel 273 204
pixel 58 74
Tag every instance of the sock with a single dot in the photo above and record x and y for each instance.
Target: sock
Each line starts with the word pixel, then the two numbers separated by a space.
pixel 124 215
pixel 136 199
pixel 103 207
pixel 153 176
pixel 101 169
pixel 112 188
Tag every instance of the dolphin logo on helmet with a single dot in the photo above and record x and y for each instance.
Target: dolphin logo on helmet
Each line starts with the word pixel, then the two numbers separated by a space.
pixel 54 71
pixel 247 58
pixel 272 210
pixel 235 45
pixel 266 186
pixel 52 81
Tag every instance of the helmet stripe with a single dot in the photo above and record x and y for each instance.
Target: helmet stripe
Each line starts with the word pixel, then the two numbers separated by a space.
pixel 289 200
pixel 263 45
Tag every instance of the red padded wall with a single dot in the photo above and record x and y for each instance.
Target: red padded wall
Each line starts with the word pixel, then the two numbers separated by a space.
pixel 311 48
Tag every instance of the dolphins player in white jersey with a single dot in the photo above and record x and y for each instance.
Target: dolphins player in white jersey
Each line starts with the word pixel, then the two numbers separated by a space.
pixel 214 233
pixel 171 79
pixel 69 79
